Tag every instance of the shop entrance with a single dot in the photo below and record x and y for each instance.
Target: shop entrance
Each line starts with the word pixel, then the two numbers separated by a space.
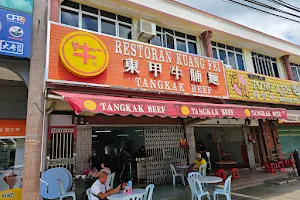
pixel 121 149
pixel 223 144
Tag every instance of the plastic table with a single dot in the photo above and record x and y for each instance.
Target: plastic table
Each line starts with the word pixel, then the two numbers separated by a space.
pixel 122 195
pixel 210 179
pixel 181 166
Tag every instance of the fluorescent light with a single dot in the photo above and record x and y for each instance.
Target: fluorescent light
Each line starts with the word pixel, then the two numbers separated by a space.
pixel 107 131
pixel 138 130
pixel 94 136
pixel 122 135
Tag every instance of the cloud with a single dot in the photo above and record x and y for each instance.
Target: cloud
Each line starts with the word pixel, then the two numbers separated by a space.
pixel 283 29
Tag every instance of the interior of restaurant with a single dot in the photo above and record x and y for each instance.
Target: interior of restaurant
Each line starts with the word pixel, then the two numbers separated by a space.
pixel 116 146
pixel 222 143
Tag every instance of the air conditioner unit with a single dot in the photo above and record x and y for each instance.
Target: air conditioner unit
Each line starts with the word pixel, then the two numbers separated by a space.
pixel 147 29
pixel 228 66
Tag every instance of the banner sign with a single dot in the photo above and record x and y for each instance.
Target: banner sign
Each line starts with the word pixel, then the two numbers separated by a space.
pixel 12 127
pixel 109 105
pixel 82 58
pixel 259 88
pixel 15 33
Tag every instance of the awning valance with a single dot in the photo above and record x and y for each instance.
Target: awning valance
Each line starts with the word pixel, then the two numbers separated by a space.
pixel 293 116
pixel 110 105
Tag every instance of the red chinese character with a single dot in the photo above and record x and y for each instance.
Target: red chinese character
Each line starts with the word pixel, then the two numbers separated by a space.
pixel 84 54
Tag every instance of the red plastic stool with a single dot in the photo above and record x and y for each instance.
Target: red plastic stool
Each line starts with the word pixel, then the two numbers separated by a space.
pixel 286 163
pixel 221 173
pixel 280 166
pixel 272 167
pixel 266 167
pixel 235 173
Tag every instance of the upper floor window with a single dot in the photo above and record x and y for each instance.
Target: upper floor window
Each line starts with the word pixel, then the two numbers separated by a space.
pixel 265 65
pixel 296 71
pixel 175 40
pixel 82 16
pixel 230 55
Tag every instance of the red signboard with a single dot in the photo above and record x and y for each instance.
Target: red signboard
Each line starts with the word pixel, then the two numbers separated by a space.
pixel 109 105
pixel 78 57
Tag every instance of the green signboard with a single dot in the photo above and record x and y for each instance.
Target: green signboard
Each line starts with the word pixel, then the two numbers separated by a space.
pixel 18 5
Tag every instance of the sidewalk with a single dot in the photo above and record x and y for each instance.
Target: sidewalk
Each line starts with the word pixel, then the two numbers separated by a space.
pixel 289 191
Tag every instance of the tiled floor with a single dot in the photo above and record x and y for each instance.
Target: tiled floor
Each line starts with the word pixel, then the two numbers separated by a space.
pixel 248 179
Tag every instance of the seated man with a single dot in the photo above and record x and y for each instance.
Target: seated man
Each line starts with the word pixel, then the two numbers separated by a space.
pixel 198 162
pixel 100 189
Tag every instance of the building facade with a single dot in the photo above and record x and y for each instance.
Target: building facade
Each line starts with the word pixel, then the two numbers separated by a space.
pixel 15 54
pixel 149 74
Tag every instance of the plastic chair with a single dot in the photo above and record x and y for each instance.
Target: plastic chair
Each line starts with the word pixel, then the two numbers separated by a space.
pixel 174 174
pixel 194 174
pixel 235 173
pixel 208 161
pixel 202 169
pixel 63 193
pixel 225 191
pixel 280 166
pixel 112 179
pixel 88 193
pixel 196 188
pixel 221 173
pixel 149 192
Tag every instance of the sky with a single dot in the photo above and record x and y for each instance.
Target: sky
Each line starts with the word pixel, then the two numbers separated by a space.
pixel 284 29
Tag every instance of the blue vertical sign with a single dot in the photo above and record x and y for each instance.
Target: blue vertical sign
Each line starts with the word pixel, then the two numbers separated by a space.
pixel 15 33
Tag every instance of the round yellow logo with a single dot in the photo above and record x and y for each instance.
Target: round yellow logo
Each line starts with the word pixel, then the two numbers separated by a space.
pixel 90 105
pixel 185 110
pixel 247 112
pixel 83 54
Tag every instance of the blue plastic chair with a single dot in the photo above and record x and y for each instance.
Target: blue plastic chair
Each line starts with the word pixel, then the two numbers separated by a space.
pixel 88 193
pixel 63 193
pixel 196 188
pixel 225 191
pixel 149 192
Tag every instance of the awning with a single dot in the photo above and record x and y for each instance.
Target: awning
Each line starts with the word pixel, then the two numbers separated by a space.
pixel 110 105
pixel 293 116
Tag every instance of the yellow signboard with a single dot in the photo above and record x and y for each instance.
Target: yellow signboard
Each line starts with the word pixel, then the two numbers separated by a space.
pixel 11 194
pixel 259 88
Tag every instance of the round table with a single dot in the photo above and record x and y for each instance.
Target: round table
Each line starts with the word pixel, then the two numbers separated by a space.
pixel 226 162
pixel 182 166
pixel 210 179
pixel 122 195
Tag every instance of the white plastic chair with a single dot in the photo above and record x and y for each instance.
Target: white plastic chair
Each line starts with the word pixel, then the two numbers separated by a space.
pixel 208 161
pixel 225 191
pixel 196 188
pixel 149 192
pixel 88 193
pixel 194 174
pixel 63 193
pixel 202 169
pixel 111 179
pixel 174 174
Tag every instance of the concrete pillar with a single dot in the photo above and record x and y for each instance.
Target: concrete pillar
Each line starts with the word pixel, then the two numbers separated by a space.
pixel 35 107
pixel 250 149
pixel 190 137
pixel 206 36
pixel 54 10
pixel 83 148
pixel 286 63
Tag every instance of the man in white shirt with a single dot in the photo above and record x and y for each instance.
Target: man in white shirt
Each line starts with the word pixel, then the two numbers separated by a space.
pixel 100 189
